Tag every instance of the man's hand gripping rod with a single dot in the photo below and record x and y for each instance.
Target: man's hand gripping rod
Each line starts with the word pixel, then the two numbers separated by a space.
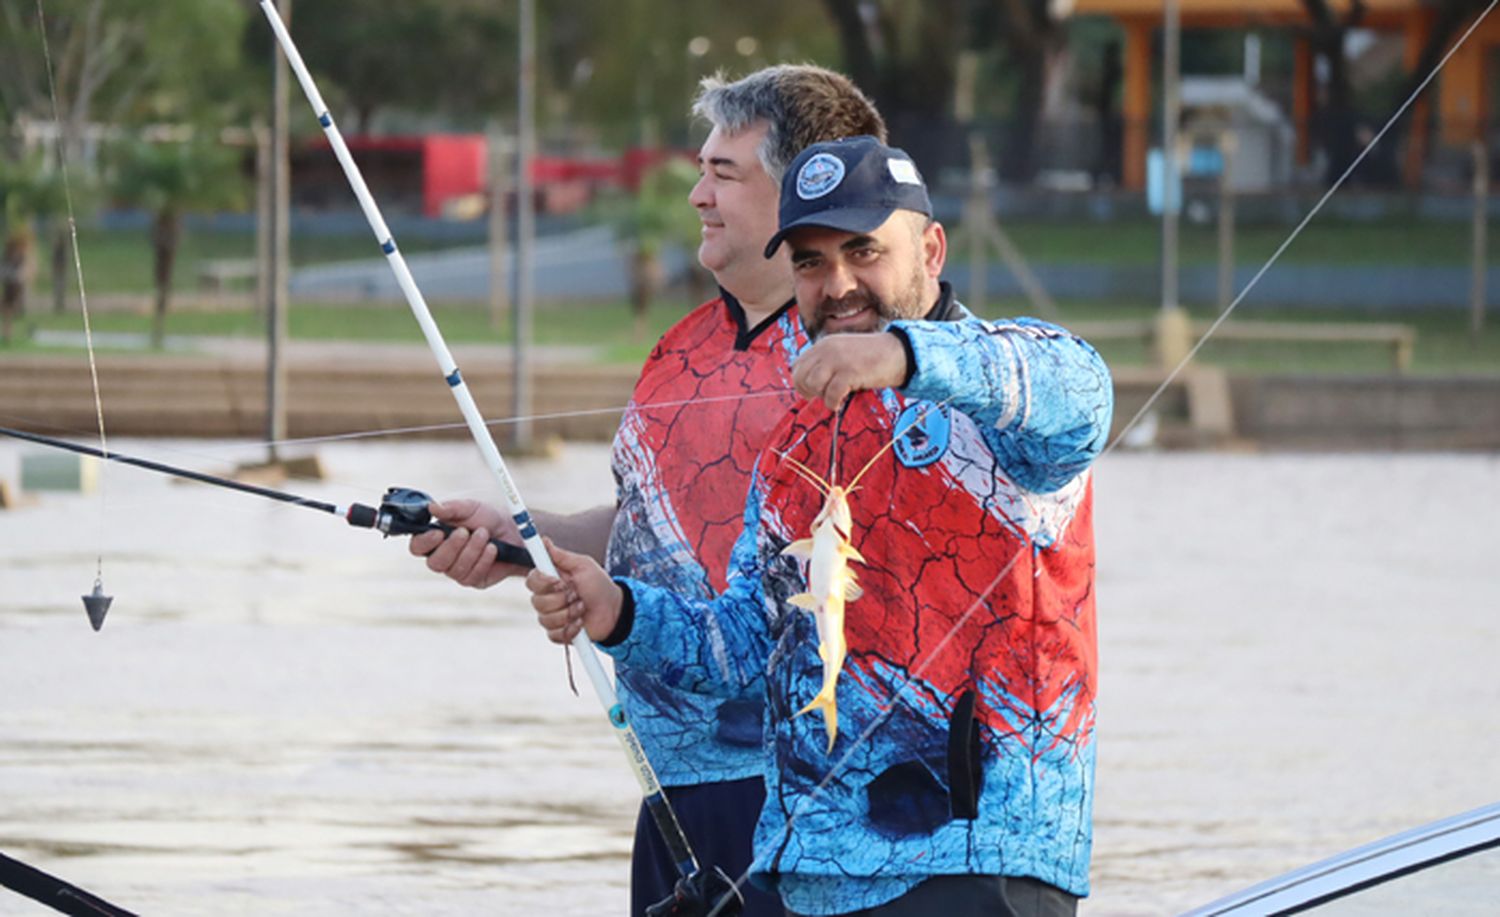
pixel 697 885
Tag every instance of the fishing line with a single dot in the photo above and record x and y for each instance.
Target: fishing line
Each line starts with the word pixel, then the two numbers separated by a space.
pixel 653 795
pixel 890 708
pixel 842 763
pixel 98 602
pixel 526 418
pixel 1297 231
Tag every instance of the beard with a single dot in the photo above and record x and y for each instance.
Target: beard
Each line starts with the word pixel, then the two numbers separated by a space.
pixel 907 304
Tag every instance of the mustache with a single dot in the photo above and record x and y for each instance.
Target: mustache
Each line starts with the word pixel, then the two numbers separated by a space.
pixel 859 299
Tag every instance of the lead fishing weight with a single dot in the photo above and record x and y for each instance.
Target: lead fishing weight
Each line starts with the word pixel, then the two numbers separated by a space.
pixel 97 604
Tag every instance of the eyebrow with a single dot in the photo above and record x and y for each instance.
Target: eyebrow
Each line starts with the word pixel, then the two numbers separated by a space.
pixel 719 161
pixel 860 241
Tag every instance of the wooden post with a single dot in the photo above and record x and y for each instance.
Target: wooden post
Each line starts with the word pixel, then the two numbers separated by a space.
pixel 1136 107
pixel 1171 110
pixel 1304 88
pixel 1227 144
pixel 525 230
pixel 264 265
pixel 1478 288
pixel 499 182
pixel 280 249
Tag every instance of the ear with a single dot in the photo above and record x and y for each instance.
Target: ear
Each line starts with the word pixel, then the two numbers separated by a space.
pixel 934 249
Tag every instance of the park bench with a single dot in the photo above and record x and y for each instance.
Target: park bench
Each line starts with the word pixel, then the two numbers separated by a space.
pixel 216 274
pixel 1400 338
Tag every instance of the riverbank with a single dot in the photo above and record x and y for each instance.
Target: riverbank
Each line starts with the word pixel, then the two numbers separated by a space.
pixel 346 388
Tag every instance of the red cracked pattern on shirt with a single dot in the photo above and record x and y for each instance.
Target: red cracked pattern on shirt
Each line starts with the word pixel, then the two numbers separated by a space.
pixel 933 554
pixel 704 410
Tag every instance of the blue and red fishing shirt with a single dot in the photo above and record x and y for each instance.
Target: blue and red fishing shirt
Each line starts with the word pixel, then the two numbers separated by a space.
pixel 966 703
pixel 707 398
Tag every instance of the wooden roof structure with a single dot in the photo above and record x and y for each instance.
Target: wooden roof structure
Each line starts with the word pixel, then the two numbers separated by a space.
pixel 1463 102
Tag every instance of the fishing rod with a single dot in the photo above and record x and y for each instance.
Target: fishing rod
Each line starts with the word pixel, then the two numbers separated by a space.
pixel 402 511
pixel 697 889
pixel 54 892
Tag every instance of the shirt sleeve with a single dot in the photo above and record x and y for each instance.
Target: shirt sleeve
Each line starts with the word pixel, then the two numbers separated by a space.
pixel 711 646
pixel 1042 397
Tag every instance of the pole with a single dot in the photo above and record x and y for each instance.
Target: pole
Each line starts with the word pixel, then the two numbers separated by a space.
pixel 525 233
pixel 1478 287
pixel 280 250
pixel 499 182
pixel 263 264
pixel 1227 144
pixel 1174 333
pixel 976 224
pixel 1172 35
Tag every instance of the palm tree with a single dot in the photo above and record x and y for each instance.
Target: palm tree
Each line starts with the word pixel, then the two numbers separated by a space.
pixel 170 180
pixel 28 192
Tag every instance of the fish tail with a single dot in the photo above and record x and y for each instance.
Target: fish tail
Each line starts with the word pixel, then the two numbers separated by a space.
pixel 827 702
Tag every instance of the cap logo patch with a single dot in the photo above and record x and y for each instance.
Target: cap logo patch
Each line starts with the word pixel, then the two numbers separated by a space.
pixel 903 171
pixel 819 175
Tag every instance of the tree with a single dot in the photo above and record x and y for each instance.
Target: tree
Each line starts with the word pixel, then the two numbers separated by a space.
pixel 28 191
pixel 115 62
pixel 656 216
pixel 169 180
pixel 454 56
pixel 905 54
pixel 1337 118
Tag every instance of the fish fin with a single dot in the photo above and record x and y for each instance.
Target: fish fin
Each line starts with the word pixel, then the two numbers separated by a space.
pixel 804 600
pixel 849 551
pixel 852 590
pixel 802 548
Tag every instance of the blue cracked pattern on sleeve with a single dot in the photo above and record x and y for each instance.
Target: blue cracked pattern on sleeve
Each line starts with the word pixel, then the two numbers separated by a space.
pixel 1042 396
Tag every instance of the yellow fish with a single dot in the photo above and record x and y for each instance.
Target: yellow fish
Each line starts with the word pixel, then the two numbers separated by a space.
pixel 830 581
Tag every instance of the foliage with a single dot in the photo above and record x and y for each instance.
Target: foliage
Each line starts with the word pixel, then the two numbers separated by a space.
pixel 119 61
pixel 372 56
pixel 631 74
pixel 658 213
pixel 191 176
pixel 170 179
pixel 28 191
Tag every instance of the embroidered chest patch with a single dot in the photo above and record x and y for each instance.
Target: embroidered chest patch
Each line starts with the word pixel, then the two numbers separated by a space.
pixel 927 428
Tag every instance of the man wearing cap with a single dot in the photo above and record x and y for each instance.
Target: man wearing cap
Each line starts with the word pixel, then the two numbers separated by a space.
pixel 960 777
pixel 712 390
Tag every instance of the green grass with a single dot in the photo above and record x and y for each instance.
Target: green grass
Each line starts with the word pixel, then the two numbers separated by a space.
pixel 120 261
pixel 1138 242
pixel 606 325
pixel 1443 345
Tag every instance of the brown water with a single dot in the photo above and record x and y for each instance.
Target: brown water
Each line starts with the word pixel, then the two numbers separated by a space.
pixel 287 716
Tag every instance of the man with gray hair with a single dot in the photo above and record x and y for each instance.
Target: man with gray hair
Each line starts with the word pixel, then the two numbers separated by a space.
pixel 710 393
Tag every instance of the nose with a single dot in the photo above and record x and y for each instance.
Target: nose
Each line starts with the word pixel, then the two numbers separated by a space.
pixel 702 196
pixel 838 280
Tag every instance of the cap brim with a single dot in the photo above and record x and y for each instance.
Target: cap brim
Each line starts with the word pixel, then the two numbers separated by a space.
pixel 846 219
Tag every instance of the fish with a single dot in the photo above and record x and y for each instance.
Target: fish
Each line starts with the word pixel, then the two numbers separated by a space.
pixel 831 582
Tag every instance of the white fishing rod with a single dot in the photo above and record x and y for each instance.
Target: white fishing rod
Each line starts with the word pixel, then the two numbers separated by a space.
pixel 698 885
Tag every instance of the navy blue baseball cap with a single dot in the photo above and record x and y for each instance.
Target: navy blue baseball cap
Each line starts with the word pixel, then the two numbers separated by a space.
pixel 853 184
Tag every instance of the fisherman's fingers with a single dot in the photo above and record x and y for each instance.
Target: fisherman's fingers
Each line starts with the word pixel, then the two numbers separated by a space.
pixel 422 545
pixel 441 558
pixel 469 565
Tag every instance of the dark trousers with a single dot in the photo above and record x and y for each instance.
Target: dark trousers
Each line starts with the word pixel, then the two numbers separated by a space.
pixel 976 896
pixel 719 821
